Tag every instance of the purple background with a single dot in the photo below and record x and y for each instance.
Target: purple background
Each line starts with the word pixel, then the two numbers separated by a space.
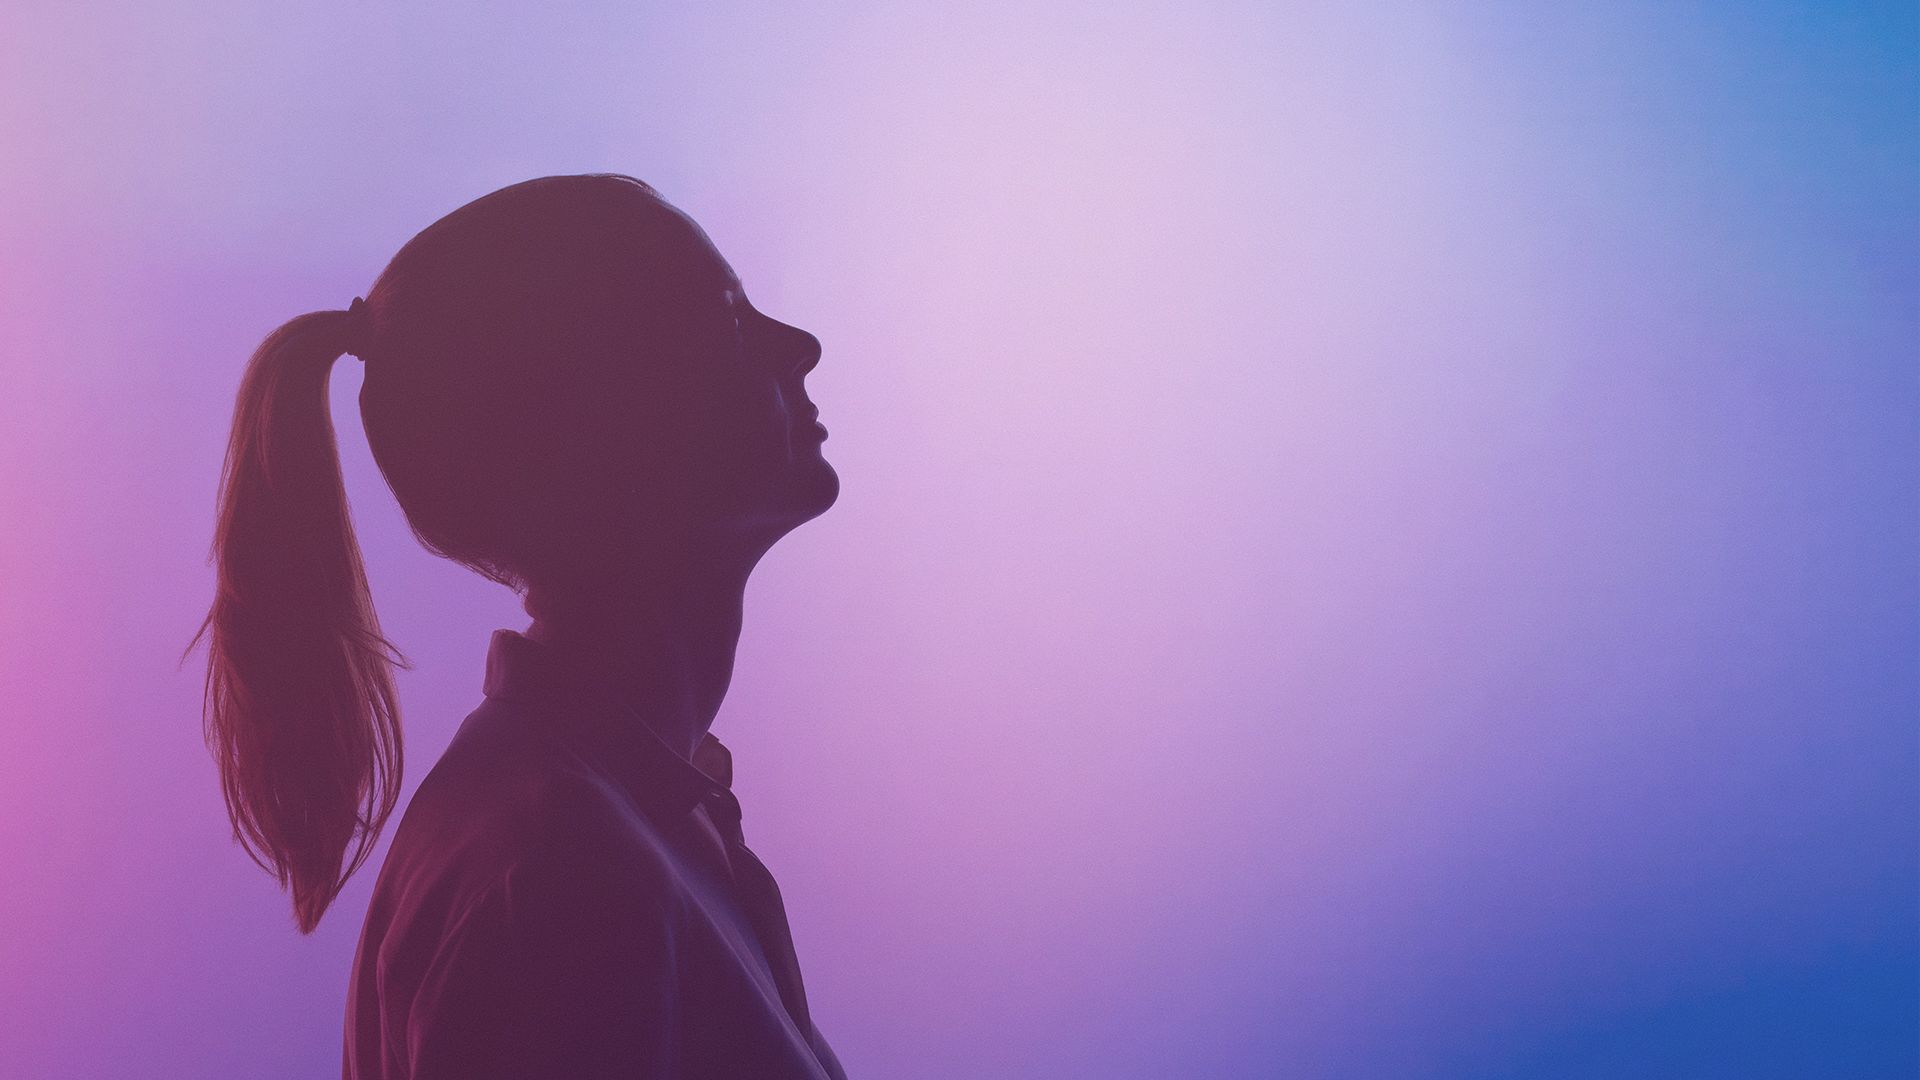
pixel 1377 540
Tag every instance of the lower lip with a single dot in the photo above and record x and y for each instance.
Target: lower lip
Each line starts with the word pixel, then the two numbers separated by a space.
pixel 819 429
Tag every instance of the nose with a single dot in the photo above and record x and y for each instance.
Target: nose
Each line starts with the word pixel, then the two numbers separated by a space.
pixel 790 351
pixel 802 350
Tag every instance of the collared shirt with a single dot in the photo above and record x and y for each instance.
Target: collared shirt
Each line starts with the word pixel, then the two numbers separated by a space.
pixel 566 897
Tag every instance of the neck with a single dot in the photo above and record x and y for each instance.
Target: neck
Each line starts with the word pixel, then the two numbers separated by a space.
pixel 664 644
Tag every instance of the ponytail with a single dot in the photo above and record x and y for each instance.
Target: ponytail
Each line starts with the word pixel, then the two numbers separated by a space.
pixel 300 711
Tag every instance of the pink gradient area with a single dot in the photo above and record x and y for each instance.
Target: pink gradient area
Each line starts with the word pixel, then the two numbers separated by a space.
pixel 1375 541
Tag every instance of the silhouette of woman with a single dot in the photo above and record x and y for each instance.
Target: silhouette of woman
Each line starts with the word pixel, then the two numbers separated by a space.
pixel 569 393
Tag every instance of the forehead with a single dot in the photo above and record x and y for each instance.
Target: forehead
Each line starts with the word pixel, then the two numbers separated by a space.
pixel 686 247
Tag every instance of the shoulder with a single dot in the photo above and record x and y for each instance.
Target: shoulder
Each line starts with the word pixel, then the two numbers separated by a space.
pixel 510 806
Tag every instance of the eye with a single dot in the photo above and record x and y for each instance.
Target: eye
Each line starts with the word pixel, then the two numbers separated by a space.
pixel 736 314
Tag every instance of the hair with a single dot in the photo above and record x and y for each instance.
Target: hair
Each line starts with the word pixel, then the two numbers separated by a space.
pixel 483 330
pixel 300 710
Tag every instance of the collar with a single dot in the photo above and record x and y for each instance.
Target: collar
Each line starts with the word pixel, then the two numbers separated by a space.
pixel 584 711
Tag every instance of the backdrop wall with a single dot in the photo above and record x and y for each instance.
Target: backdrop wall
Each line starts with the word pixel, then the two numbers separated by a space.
pixel 1376 540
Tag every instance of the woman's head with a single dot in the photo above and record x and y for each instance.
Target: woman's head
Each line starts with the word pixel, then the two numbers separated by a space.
pixel 567 368
pixel 565 388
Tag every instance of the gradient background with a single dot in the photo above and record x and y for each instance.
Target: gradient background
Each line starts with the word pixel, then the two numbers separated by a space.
pixel 1377 540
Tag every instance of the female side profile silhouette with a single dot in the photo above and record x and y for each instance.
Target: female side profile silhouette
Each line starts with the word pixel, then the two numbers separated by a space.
pixel 568 392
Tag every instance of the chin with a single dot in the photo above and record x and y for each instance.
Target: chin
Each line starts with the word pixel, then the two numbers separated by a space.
pixel 816 488
pixel 801 494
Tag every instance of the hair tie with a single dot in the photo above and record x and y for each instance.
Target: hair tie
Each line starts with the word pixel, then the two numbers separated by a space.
pixel 359 329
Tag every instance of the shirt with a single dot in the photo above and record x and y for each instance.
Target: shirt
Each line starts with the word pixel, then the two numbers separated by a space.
pixel 565 896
